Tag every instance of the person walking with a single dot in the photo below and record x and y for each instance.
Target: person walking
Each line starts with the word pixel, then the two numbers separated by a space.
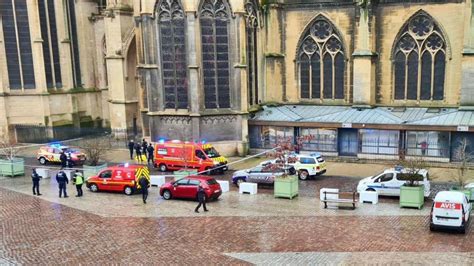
pixel 201 195
pixel 138 151
pixel 144 147
pixel 63 159
pixel 69 162
pixel 150 151
pixel 62 180
pixel 143 182
pixel 78 181
pixel 35 177
pixel 131 146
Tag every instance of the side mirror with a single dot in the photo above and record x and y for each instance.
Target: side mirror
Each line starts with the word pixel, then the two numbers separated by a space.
pixel 175 184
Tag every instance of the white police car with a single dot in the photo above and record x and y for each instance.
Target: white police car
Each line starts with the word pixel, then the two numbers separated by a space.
pixel 387 183
pixel 450 210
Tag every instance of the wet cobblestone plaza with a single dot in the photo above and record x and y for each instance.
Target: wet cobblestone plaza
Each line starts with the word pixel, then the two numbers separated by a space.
pixel 239 229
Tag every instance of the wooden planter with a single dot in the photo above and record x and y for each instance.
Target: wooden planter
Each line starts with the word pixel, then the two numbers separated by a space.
pixel 412 196
pixel 286 187
pixel 180 174
pixel 92 170
pixel 13 167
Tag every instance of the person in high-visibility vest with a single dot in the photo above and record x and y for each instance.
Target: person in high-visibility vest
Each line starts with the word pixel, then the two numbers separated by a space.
pixel 78 181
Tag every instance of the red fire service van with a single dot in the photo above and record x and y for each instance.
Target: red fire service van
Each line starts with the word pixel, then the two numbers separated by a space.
pixel 122 177
pixel 175 155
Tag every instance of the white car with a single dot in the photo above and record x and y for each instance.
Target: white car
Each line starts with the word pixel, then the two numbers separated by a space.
pixel 306 165
pixel 450 210
pixel 387 183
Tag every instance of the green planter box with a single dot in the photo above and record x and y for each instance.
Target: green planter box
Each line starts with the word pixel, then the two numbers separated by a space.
pixel 412 196
pixel 180 174
pixel 286 187
pixel 92 170
pixel 468 192
pixel 13 167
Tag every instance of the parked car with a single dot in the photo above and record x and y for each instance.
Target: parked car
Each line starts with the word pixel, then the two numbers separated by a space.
pixel 261 174
pixel 306 165
pixel 387 183
pixel 51 153
pixel 450 210
pixel 187 188
pixel 122 178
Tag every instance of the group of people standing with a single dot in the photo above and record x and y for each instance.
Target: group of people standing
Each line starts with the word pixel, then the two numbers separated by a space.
pixel 141 149
pixel 62 179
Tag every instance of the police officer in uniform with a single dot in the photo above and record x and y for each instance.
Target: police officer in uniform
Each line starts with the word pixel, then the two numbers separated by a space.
pixel 36 179
pixel 78 181
pixel 63 159
pixel 131 146
pixel 201 194
pixel 150 151
pixel 143 182
pixel 62 180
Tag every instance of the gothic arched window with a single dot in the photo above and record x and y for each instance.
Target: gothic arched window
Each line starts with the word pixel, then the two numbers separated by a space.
pixel 173 54
pixel 419 60
pixel 251 27
pixel 321 62
pixel 214 19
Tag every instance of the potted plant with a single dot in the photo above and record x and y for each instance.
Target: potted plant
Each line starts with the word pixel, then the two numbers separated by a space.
pixel 286 184
pixel 412 193
pixel 95 149
pixel 463 171
pixel 10 165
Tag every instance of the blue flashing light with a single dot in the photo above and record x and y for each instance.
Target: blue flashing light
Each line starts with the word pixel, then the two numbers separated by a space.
pixel 161 141
pixel 203 141
pixel 125 164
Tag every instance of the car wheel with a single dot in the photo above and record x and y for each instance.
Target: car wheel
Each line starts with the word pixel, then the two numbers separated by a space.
pixel 42 160
pixel 167 194
pixel 239 181
pixel 462 229
pixel 163 167
pixel 431 228
pixel 94 188
pixel 128 191
pixel 303 175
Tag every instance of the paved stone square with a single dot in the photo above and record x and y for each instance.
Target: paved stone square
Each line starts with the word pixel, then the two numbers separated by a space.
pixel 239 229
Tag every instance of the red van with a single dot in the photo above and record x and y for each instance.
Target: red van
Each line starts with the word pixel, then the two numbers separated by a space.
pixel 175 155
pixel 122 177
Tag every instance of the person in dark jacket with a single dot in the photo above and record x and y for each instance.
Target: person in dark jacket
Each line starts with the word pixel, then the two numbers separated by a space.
pixel 62 180
pixel 63 159
pixel 201 194
pixel 143 182
pixel 144 147
pixel 150 151
pixel 131 146
pixel 138 151
pixel 35 177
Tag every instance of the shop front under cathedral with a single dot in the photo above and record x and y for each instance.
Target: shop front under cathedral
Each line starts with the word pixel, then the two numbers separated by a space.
pixel 364 78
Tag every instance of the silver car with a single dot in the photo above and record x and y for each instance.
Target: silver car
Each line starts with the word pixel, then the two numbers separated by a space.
pixel 261 174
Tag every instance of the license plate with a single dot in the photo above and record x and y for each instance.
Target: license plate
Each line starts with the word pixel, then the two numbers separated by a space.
pixel 443 219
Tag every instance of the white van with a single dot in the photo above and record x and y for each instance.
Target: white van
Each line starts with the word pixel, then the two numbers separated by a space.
pixel 388 184
pixel 451 210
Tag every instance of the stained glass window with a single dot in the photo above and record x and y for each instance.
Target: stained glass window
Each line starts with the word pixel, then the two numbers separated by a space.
pixel 214 19
pixel 18 50
pixel 72 31
pixel 173 54
pixel 321 62
pixel 50 43
pixel 419 60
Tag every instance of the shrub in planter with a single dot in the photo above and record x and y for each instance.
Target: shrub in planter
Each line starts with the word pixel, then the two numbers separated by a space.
pixel 412 193
pixel 286 186
pixel 10 165
pixel 95 149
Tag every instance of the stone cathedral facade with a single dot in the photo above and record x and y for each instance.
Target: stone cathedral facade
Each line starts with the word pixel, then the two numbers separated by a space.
pixel 367 78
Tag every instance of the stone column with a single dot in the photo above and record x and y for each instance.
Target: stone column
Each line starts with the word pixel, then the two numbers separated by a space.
pixel 150 67
pixel 363 57
pixel 467 83
pixel 37 46
pixel 118 22
pixel 275 87
pixel 193 73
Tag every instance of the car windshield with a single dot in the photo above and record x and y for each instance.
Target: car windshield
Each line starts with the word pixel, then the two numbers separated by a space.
pixel 211 152
pixel 212 181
